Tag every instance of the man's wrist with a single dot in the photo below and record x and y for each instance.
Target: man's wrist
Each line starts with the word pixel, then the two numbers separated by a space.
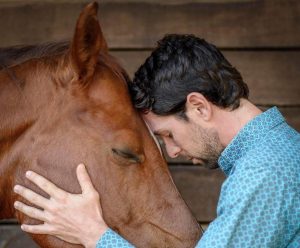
pixel 92 238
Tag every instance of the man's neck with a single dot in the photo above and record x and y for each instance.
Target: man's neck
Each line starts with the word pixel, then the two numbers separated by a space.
pixel 229 123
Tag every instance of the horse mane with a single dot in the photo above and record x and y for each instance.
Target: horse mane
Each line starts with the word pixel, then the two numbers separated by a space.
pixel 15 55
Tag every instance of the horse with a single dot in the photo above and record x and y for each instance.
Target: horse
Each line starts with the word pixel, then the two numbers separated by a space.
pixel 68 102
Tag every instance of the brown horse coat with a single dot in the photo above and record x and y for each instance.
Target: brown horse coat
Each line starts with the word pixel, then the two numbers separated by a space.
pixel 64 104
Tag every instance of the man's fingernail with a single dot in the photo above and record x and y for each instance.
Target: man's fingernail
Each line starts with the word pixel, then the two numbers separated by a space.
pixel 17 188
pixel 16 204
pixel 28 173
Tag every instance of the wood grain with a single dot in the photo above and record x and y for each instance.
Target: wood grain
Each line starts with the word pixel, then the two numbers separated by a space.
pixel 139 24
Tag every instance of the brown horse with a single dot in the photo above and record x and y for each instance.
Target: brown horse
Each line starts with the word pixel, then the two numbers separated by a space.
pixel 63 104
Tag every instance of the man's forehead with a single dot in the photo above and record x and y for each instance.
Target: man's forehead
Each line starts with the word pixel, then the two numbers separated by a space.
pixel 153 121
pixel 160 125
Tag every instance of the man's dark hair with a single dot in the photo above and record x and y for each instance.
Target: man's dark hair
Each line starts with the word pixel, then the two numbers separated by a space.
pixel 182 64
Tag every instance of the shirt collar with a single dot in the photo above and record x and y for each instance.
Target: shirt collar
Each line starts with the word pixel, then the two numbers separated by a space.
pixel 248 137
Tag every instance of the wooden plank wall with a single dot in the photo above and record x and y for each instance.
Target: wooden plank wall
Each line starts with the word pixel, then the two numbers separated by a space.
pixel 260 38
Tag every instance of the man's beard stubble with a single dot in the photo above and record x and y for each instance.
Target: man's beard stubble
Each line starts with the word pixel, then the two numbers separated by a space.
pixel 212 147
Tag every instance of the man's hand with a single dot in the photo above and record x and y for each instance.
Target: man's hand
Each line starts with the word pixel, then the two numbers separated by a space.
pixel 75 218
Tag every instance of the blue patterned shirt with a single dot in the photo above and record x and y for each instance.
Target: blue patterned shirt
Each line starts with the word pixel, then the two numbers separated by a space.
pixel 259 205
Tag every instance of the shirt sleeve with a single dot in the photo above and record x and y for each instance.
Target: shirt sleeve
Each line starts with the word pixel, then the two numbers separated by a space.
pixel 111 239
pixel 257 208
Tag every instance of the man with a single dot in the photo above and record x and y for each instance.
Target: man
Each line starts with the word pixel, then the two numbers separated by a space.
pixel 192 97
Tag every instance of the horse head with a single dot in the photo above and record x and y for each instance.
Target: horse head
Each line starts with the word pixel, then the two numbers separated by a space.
pixel 62 104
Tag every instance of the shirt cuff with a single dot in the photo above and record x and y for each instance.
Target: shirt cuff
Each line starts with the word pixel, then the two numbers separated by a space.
pixel 111 239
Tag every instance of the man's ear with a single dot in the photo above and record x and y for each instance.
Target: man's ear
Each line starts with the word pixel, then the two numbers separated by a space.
pixel 88 42
pixel 198 106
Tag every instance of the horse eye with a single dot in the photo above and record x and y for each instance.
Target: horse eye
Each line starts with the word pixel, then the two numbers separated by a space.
pixel 127 155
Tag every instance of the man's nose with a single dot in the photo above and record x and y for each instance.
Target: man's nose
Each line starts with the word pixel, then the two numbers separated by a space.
pixel 172 149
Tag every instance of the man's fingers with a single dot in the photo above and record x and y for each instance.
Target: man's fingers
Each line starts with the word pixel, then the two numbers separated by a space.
pixel 31 196
pixel 50 188
pixel 30 211
pixel 84 179
pixel 38 229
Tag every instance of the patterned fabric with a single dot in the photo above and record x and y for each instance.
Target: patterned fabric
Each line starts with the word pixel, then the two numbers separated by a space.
pixel 259 204
pixel 110 239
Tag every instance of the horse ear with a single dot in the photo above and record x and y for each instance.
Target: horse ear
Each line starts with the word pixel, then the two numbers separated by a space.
pixel 87 42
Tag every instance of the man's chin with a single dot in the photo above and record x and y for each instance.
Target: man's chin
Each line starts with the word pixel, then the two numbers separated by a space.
pixel 205 163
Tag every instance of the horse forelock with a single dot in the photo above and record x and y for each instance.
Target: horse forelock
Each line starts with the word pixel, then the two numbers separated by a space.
pixel 110 62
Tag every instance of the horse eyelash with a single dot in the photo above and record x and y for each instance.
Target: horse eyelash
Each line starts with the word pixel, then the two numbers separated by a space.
pixel 126 155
